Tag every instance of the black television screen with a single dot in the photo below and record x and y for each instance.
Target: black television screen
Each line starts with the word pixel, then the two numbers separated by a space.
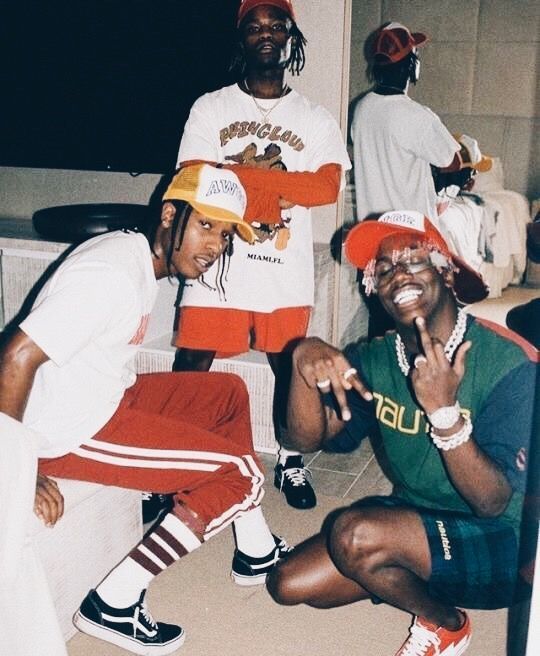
pixel 107 84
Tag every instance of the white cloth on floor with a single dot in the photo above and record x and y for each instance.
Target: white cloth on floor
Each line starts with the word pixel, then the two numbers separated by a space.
pixel 461 224
pixel 512 217
pixel 509 242
pixel 29 622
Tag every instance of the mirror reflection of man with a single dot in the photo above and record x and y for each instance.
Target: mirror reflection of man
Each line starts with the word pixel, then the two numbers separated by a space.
pixel 395 138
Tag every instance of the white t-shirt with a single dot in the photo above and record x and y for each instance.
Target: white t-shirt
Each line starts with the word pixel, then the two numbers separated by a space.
pixel 90 319
pixel 226 126
pixel 395 141
pixel 462 226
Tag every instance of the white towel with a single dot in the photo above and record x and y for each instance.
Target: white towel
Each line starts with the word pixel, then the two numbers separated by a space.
pixel 28 621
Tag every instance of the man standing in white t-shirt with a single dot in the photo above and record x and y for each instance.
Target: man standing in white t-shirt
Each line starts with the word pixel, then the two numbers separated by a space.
pixel 396 139
pixel 290 155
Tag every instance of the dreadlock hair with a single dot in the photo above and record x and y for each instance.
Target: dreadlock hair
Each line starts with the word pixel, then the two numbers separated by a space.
pixel 182 215
pixel 295 63
pixel 395 75
pixel 297 60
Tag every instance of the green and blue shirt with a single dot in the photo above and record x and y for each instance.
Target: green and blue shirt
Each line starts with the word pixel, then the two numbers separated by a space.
pixel 497 392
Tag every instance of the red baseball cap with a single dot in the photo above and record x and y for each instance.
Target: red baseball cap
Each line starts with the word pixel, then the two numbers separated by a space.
pixel 363 241
pixel 247 5
pixel 394 41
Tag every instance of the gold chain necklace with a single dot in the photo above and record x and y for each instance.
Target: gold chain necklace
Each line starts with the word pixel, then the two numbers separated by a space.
pixel 265 112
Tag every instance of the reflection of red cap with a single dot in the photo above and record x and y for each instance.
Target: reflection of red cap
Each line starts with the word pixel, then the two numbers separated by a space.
pixel 394 41
pixel 363 241
pixel 247 5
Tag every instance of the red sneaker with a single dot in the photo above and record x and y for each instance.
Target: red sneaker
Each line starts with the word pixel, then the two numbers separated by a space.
pixel 427 639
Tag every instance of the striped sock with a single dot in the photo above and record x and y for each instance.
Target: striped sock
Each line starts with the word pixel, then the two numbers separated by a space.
pixel 164 545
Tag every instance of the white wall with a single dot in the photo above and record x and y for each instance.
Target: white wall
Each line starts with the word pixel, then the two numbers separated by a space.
pixel 25 190
pixel 479 72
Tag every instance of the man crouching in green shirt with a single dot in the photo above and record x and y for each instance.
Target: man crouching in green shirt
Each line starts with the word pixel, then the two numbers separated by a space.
pixel 452 398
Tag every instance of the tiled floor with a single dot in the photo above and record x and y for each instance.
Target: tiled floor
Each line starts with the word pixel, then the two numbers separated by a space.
pixel 496 309
pixel 351 476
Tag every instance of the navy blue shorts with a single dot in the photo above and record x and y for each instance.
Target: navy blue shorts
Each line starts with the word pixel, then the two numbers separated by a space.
pixel 474 561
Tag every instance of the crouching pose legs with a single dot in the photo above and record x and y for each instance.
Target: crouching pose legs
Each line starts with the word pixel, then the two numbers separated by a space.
pixel 451 399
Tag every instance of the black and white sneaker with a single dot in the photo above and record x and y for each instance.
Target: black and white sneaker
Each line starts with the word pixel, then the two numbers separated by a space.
pixel 131 628
pixel 155 506
pixel 247 570
pixel 291 478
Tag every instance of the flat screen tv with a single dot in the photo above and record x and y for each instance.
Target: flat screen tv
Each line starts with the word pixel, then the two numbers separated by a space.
pixel 107 84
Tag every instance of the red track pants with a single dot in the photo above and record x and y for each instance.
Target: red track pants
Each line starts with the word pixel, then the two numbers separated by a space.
pixel 187 433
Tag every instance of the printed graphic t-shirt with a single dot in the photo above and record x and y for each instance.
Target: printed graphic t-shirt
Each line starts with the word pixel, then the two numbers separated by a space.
pixel 226 126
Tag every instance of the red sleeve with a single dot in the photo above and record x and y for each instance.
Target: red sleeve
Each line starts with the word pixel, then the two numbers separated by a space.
pixel 265 188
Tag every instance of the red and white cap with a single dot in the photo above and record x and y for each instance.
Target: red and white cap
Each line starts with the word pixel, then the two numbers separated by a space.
pixel 247 5
pixel 363 241
pixel 394 41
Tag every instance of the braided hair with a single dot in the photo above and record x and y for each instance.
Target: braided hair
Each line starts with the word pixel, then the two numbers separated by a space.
pixel 182 215
pixel 295 63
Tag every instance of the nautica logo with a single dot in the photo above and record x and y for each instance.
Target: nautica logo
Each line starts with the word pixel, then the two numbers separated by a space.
pixel 444 540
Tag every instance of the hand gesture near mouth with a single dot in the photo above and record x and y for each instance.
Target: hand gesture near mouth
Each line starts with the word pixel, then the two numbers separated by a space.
pixel 435 380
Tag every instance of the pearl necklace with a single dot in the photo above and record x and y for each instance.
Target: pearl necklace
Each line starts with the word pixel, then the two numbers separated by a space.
pixel 450 347
pixel 265 112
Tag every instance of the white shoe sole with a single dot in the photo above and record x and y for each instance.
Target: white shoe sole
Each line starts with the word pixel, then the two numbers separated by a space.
pixel 120 640
pixel 239 579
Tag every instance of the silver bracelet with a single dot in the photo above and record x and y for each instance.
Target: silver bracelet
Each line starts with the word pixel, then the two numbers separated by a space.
pixel 455 440
pixel 446 417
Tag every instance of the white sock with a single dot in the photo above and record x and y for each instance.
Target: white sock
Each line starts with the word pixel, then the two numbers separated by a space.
pixel 123 586
pixel 285 453
pixel 253 536
pixel 165 544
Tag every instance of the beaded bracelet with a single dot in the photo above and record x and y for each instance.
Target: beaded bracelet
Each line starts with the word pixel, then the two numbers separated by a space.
pixel 452 441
